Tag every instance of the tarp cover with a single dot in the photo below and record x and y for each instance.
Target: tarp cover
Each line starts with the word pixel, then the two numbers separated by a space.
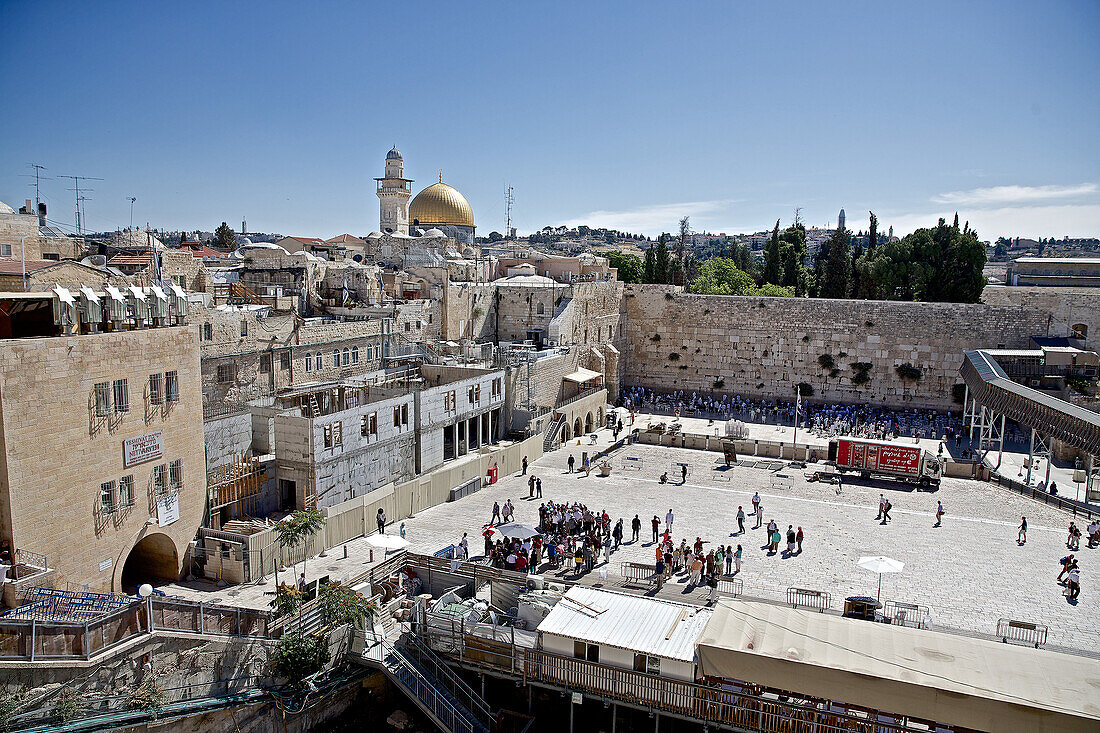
pixel 583 375
pixel 952 680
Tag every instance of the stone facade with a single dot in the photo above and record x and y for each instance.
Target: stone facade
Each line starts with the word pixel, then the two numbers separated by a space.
pixel 764 347
pixel 60 445
pixel 1069 308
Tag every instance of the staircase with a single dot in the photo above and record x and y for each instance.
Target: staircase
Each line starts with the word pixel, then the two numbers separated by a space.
pixel 451 704
pixel 550 440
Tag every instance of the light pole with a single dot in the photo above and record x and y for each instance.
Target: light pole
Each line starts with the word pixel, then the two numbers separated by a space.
pixel 23 247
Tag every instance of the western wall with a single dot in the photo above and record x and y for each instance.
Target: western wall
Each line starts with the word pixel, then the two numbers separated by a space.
pixel 763 347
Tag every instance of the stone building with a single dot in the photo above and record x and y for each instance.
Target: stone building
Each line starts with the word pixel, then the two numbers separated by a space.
pixel 26 235
pixel 1067 272
pixel 102 469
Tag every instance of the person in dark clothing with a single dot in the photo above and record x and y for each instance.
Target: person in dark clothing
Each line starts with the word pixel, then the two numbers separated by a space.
pixel 635 528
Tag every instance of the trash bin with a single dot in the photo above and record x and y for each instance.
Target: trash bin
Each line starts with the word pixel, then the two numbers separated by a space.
pixel 862 607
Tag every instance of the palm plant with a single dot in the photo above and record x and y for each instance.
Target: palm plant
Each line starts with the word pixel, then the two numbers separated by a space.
pixel 299 527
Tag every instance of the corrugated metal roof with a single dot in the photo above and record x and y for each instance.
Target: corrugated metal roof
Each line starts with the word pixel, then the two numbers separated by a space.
pixel 657 627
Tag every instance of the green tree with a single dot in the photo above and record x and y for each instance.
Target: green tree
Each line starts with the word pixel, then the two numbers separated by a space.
pixel 721 276
pixel 792 257
pixel 630 267
pixel 771 290
pixel 298 528
pixel 773 268
pixel 343 605
pixel 495 236
pixel 662 264
pixel 224 239
pixel 836 274
pixel 649 266
pixel 298 656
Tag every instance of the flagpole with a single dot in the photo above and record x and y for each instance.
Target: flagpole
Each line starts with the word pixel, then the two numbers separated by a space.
pixel 797 409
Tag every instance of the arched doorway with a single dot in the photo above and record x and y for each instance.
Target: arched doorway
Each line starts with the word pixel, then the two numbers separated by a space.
pixel 578 429
pixel 152 559
pixel 565 433
pixel 589 425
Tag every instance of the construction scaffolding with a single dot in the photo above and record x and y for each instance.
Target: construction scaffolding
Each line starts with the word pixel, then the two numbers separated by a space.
pixel 234 489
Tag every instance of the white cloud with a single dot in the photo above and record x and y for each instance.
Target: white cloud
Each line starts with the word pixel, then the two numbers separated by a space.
pixel 651 219
pixel 1001 195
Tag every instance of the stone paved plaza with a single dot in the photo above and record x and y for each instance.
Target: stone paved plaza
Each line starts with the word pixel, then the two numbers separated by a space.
pixel 970 571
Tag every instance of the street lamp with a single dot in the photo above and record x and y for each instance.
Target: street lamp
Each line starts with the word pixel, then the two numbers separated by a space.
pixel 23 247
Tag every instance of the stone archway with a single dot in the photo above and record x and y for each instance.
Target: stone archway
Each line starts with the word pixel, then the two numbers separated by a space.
pixel 565 434
pixel 589 423
pixel 578 429
pixel 152 559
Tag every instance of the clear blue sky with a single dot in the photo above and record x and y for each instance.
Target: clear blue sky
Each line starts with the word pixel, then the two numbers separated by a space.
pixel 617 114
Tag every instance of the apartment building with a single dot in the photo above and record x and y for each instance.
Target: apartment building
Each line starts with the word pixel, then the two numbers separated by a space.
pixel 102 466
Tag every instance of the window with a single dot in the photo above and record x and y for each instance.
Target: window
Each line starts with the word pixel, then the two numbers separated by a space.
pixel 408 327
pixel 175 475
pixel 1079 331
pixel 396 416
pixel 539 309
pixel 338 433
pixel 156 389
pixel 327 432
pixel 207 332
pixel 470 395
pixel 496 387
pixel 318 361
pixel 172 386
pixel 354 354
pixel 265 363
pixel 369 424
pixel 126 491
pixel 160 479
pixel 107 497
pixel 103 399
pixel 5 249
pixel 583 650
pixel 284 361
pixel 244 328
pixel 449 401
pixel 647 664
pixel 404 414
pixel 345 357
pixel 225 373
pixel 309 362
pixel 122 395
pixel 336 358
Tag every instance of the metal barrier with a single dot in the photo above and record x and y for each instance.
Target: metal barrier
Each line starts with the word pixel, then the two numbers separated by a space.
pixel 1022 631
pixel 730 585
pixel 632 463
pixel 1075 508
pixel 639 572
pixel 900 613
pixel 806 598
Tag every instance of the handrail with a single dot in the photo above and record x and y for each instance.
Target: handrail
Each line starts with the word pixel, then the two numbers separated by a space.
pixel 436 702
pixel 455 685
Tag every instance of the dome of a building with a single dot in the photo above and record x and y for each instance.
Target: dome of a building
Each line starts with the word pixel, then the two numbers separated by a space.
pixel 433 232
pixel 5 209
pixel 440 205
pixel 394 154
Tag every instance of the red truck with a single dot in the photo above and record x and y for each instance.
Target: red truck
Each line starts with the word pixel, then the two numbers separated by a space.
pixel 908 463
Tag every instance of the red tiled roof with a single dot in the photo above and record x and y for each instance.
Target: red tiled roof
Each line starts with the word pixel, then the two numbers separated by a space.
pixel 345 239
pixel 308 240
pixel 15 267
pixel 201 251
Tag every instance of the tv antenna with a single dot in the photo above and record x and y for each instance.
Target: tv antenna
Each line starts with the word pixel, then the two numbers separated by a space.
pixel 80 199
pixel 38 177
pixel 509 199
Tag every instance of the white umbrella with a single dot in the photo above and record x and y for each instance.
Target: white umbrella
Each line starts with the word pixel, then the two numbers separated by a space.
pixel 387 542
pixel 515 530
pixel 880 564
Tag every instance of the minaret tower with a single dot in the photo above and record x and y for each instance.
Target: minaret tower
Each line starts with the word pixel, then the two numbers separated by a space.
pixel 394 192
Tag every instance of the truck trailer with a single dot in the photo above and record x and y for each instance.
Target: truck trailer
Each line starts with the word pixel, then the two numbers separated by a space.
pixel 909 463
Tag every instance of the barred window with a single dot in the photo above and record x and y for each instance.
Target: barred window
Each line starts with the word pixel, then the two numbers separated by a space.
pixel 126 491
pixel 284 361
pixel 327 432
pixel 107 497
pixel 172 386
pixel 122 395
pixel 156 391
pixel 345 356
pixel 103 399
pixel 160 479
pixel 225 373
pixel 175 475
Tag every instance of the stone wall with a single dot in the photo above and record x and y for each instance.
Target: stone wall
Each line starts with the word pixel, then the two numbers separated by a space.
pixel 1067 307
pixel 764 347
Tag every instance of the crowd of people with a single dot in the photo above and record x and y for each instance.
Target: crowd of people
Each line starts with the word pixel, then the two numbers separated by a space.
pixel 828 419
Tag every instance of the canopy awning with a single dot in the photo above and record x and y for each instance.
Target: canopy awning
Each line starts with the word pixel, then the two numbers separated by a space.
pixel 951 679
pixel 583 375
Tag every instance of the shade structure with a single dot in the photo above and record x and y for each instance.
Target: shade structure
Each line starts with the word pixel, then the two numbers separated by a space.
pixel 880 564
pixel 517 531
pixel 387 542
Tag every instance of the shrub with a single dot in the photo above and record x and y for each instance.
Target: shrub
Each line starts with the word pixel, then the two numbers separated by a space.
pixel 908 371
pixel 805 389
pixel 297 657
pixel 147 696
pixel 826 361
pixel 673 356
pixel 655 337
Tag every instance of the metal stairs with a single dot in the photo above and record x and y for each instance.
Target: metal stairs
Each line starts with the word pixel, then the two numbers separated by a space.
pixel 450 703
pixel 550 440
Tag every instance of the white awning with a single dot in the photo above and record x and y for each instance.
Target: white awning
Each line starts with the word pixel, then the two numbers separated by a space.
pixel 583 375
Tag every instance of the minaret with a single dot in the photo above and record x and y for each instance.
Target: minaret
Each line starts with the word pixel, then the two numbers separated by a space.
pixel 840 220
pixel 394 192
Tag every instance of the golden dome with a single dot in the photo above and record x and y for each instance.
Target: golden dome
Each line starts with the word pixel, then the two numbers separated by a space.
pixel 439 205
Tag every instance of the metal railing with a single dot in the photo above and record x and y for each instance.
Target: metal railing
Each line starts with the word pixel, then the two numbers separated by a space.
pixel 1022 631
pixel 818 600
pixel 730 585
pixel 421 655
pixel 427 696
pixel 31 559
pixel 638 571
pixel 1072 506
pixel 912 615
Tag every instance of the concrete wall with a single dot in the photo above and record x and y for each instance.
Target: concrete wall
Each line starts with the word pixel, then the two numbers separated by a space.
pixel 225 437
pixel 763 347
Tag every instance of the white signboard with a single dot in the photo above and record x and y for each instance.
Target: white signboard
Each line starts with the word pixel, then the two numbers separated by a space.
pixel 106 564
pixel 143 448
pixel 168 509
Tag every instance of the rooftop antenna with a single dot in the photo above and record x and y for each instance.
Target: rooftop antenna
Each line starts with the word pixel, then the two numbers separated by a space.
pixel 132 199
pixel 79 198
pixel 38 177
pixel 509 199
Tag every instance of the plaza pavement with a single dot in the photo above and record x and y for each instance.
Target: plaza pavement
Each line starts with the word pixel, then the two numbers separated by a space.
pixel 970 571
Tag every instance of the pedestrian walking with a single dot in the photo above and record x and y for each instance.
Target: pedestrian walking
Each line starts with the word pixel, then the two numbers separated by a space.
pixel 740 520
pixel 712 597
pixel 381 519
pixel 656 527
pixel 939 514
pixel 1066 561
pixel 401 531
pixel 1073 541
pixel 729 560
pixel 683 474
pixel 798 539
pixel 759 512
pixel 886 511
pixel 464 547
pixel 531 486
pixel 737 560
pixel 538 488
pixel 756 505
pixel 776 538
pixel 524 473
pixel 1073 584
pixel 668 520
pixel 496 514
pixel 881 506
pixel 571 462
pixel 635 527
pixel 790 540
pixel 1021 536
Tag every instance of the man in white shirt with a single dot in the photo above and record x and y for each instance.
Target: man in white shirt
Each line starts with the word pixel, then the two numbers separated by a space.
pixel 668 521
